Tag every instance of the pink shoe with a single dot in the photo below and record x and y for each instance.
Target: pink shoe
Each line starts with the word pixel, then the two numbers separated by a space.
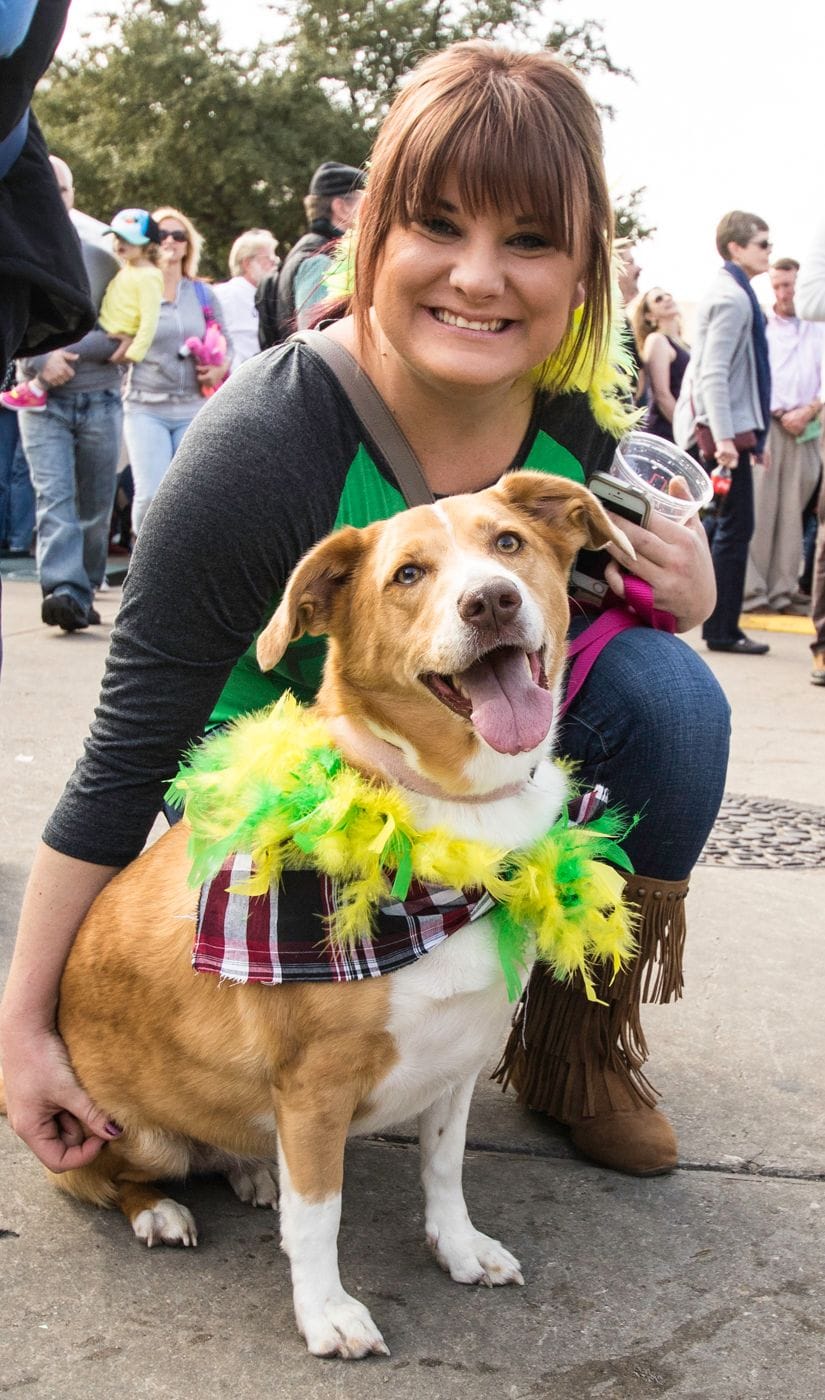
pixel 24 396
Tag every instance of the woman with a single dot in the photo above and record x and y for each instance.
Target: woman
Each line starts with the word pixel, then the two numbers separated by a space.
pixel 657 328
pixel 165 391
pixel 483 232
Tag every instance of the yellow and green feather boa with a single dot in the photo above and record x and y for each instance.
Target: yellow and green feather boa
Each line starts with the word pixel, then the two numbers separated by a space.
pixel 274 786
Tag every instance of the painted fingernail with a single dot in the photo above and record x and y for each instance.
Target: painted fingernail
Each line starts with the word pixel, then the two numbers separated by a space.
pixel 113 1129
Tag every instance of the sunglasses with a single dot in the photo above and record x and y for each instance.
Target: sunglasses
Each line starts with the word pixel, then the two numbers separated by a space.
pixel 762 243
pixel 658 298
pixel 176 233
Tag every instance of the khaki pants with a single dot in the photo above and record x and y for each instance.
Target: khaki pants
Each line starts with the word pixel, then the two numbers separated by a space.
pixel 781 492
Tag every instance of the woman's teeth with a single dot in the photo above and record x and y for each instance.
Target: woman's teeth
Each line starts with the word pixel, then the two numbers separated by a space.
pixel 448 319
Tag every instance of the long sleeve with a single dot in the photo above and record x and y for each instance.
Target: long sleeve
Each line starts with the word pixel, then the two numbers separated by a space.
pixel 725 329
pixel 810 285
pixel 150 294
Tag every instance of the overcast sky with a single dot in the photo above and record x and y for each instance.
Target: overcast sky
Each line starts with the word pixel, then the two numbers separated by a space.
pixel 727 111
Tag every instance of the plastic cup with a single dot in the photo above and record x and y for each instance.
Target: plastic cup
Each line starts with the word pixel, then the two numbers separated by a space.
pixel 649 464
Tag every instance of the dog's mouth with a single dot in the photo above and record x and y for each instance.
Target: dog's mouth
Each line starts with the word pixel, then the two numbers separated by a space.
pixel 504 695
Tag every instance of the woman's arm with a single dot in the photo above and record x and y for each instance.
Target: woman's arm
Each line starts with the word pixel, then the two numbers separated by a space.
pixel 659 356
pixel 810 287
pixel 45 1104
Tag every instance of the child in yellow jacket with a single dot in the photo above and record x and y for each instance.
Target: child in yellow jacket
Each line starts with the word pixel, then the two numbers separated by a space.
pixel 131 303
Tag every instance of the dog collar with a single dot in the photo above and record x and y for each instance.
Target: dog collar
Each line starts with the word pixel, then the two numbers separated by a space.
pixel 366 747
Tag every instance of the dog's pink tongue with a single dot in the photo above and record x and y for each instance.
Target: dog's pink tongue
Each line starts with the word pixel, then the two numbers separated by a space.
pixel 510 711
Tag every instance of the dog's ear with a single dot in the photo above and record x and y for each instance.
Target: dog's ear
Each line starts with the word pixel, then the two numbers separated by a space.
pixel 570 508
pixel 310 594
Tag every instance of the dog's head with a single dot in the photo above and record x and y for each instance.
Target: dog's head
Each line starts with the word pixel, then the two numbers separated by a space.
pixel 447 623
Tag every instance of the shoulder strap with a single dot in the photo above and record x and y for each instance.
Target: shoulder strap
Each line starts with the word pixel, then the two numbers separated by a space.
pixel 374 414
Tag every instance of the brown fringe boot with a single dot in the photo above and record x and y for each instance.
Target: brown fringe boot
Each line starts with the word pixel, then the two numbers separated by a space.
pixel 581 1062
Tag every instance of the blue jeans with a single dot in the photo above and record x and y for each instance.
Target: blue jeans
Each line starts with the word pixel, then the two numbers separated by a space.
pixel 73 448
pixel 732 530
pixel 652 724
pixel 152 439
pixel 16 491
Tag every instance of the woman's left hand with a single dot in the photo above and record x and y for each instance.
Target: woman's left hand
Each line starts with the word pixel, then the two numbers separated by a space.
pixel 210 376
pixel 674 558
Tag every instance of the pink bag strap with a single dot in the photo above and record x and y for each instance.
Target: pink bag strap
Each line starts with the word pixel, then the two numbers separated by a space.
pixel 619 614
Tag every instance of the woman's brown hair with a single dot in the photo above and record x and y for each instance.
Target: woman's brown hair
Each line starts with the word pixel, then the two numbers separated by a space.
pixel 518 131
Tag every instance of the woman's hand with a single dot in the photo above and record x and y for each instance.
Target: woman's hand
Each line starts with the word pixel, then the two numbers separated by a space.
pixel 46 1106
pixel 210 376
pixel 674 558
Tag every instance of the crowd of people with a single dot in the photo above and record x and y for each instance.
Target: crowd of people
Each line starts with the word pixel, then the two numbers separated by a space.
pixel 746 401
pixel 112 408
pixel 166 339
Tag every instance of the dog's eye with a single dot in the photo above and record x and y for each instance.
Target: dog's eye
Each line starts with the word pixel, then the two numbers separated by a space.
pixel 508 543
pixel 408 573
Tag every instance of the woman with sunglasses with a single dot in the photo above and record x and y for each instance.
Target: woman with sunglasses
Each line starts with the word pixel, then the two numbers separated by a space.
pixel 165 391
pixel 657 328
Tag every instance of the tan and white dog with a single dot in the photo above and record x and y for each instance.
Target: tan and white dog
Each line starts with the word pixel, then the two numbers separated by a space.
pixel 447 628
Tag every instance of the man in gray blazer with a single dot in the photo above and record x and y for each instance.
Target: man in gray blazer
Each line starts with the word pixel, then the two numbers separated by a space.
pixel 730 387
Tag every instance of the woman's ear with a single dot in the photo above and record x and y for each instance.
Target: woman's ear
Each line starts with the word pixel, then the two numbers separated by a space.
pixel 578 297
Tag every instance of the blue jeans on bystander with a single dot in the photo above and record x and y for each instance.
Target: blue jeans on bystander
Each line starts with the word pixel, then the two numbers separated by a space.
pixel 16 491
pixel 73 447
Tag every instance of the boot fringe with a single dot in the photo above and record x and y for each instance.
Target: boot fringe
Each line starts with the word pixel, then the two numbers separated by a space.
pixel 560 1042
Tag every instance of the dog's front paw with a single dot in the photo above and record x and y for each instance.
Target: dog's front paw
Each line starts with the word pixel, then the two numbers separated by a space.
pixel 340 1327
pixel 166 1222
pixel 255 1183
pixel 470 1257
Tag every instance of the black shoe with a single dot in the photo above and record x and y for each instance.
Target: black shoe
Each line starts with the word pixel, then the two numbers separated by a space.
pixel 94 616
pixel 62 610
pixel 743 646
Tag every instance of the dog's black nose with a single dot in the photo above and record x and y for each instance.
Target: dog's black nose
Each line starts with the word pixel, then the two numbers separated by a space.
pixel 491 605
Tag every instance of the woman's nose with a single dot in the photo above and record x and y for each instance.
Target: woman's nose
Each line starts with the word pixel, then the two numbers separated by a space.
pixel 477 270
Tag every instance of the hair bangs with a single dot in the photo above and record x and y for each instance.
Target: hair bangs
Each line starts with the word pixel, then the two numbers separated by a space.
pixel 502 156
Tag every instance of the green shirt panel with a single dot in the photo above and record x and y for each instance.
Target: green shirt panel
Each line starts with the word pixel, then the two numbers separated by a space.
pixel 366 497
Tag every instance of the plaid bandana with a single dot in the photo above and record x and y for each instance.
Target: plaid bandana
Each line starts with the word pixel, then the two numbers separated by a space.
pixel 279 936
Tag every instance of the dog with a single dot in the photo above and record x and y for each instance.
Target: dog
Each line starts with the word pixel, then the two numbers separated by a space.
pixel 446 627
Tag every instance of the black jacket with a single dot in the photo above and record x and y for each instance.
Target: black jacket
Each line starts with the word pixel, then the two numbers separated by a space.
pixel 44 291
pixel 275 297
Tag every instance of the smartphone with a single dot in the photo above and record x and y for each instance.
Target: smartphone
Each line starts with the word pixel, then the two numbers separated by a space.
pixel 587 578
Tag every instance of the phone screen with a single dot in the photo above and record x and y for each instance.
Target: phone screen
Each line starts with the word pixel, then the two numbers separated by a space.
pixel 588 570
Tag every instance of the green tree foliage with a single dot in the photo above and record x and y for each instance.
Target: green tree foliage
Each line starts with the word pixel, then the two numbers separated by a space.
pixel 160 112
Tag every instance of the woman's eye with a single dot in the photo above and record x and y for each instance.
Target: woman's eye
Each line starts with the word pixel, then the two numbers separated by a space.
pixel 529 241
pixel 508 543
pixel 442 228
pixel 408 573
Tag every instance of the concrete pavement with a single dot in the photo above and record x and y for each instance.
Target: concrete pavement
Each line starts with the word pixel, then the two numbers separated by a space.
pixel 707 1283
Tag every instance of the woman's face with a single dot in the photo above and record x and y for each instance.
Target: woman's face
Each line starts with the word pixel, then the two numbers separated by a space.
pixel 173 250
pixel 473 303
pixel 660 304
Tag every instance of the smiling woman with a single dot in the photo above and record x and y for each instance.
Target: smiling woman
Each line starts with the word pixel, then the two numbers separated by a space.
pixel 480 313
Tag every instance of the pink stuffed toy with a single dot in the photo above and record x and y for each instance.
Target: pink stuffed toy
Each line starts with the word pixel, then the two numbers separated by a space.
pixel 209 350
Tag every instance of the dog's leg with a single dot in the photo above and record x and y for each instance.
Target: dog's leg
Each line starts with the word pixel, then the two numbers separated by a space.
pixel 311 1159
pixel 155 1218
pixel 255 1183
pixel 466 1254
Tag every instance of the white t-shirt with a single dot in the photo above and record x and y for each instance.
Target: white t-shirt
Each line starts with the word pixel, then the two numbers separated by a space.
pixel 237 302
